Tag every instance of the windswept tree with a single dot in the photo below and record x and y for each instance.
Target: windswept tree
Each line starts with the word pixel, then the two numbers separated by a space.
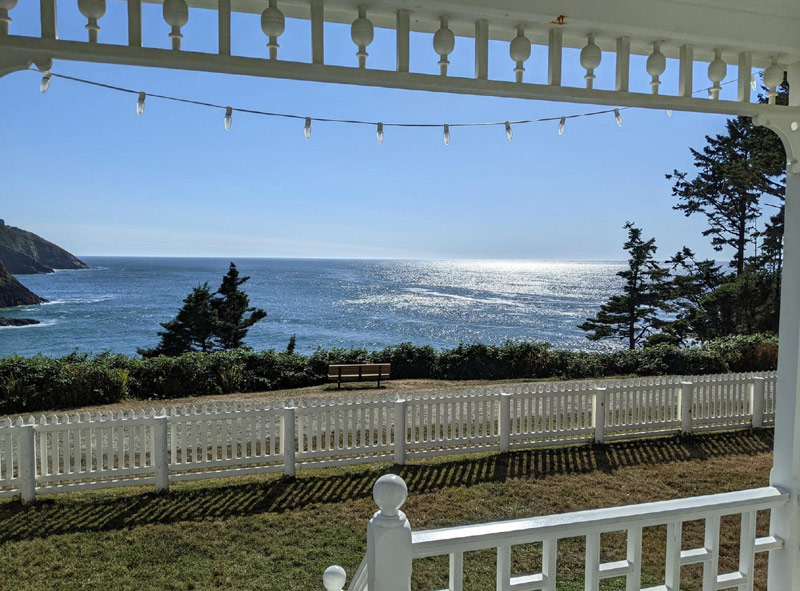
pixel 231 305
pixel 209 321
pixel 737 173
pixel 192 329
pixel 638 313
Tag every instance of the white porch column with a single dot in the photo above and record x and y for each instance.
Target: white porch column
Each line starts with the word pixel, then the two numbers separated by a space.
pixel 784 565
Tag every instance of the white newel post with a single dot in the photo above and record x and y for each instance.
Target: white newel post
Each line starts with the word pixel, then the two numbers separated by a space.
pixel 757 402
pixel 389 552
pixel 27 464
pixel 161 454
pixel 599 414
pixel 784 564
pixel 400 432
pixel 287 441
pixel 505 423
pixel 686 401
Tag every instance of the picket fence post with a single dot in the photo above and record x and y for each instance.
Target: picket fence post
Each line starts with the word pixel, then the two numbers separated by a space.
pixel 389 549
pixel 400 409
pixel 27 464
pixel 288 441
pixel 686 401
pixel 505 423
pixel 757 402
pixel 161 453
pixel 599 413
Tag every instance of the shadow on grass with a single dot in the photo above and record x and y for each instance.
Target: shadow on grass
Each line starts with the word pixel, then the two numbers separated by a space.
pixel 66 514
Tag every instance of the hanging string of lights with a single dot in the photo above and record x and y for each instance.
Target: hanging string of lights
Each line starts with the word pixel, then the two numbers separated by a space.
pixel 378 125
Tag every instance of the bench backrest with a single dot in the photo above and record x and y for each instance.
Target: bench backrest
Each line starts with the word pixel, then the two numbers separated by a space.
pixel 354 369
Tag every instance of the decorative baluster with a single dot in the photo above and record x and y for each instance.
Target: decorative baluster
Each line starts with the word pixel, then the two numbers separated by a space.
pixel 444 41
pixel 590 59
pixel 520 51
pixel 656 64
pixel 773 77
pixel 717 70
pixel 273 24
pixel 5 7
pixel 176 15
pixel 362 32
pixel 92 10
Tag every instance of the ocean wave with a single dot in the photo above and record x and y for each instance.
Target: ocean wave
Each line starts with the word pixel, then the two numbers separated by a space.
pixel 75 301
pixel 45 323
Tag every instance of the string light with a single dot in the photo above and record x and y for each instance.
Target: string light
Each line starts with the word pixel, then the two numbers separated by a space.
pixel 45 83
pixel 47 75
pixel 228 118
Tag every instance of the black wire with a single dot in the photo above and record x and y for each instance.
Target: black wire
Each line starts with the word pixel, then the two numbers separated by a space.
pixel 348 121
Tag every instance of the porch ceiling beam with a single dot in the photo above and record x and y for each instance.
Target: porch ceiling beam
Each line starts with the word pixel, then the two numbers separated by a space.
pixel 36 49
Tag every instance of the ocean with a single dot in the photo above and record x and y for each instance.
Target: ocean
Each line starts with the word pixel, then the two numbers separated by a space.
pixel 118 303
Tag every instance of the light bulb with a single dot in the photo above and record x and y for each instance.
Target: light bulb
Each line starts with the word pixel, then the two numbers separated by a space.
pixel 45 83
pixel 228 118
pixel 307 128
pixel 669 112
pixel 561 125
pixel 140 104
pixel 753 82
pixel 509 132
pixel 446 135
pixel 618 117
pixel 380 133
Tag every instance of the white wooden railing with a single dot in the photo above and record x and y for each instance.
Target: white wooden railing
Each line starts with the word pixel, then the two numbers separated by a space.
pixel 70 452
pixel 392 546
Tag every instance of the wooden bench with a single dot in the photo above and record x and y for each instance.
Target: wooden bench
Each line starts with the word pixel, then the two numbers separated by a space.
pixel 359 372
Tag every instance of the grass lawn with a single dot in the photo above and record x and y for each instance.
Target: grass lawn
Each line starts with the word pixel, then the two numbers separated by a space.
pixel 393 387
pixel 265 533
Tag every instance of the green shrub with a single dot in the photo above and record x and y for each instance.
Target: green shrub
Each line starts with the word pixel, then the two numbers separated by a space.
pixel 42 383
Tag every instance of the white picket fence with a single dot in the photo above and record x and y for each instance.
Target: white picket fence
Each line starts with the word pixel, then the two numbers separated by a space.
pixel 98 450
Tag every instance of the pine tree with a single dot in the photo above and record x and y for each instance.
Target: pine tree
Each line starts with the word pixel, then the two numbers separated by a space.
pixel 635 315
pixel 192 329
pixel 231 305
pixel 736 172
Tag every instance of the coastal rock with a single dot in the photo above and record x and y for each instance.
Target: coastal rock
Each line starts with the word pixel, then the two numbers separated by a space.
pixel 17 321
pixel 13 293
pixel 24 253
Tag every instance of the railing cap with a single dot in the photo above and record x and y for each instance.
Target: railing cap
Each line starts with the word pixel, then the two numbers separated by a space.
pixel 390 492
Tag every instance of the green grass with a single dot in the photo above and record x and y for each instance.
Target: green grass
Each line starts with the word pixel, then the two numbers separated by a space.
pixel 264 532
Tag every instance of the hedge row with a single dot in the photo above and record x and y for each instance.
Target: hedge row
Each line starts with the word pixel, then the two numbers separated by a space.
pixel 42 383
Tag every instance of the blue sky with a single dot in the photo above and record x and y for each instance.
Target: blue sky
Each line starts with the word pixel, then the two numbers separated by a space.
pixel 79 167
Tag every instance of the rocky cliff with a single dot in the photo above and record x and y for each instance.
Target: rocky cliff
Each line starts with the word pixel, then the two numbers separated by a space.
pixel 24 252
pixel 13 293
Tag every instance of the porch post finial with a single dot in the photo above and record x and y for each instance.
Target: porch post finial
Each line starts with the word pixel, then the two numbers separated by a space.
pixel 389 551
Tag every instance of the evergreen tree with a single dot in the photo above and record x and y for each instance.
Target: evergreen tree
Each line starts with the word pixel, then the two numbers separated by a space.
pixel 737 172
pixel 635 315
pixel 231 305
pixel 192 329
